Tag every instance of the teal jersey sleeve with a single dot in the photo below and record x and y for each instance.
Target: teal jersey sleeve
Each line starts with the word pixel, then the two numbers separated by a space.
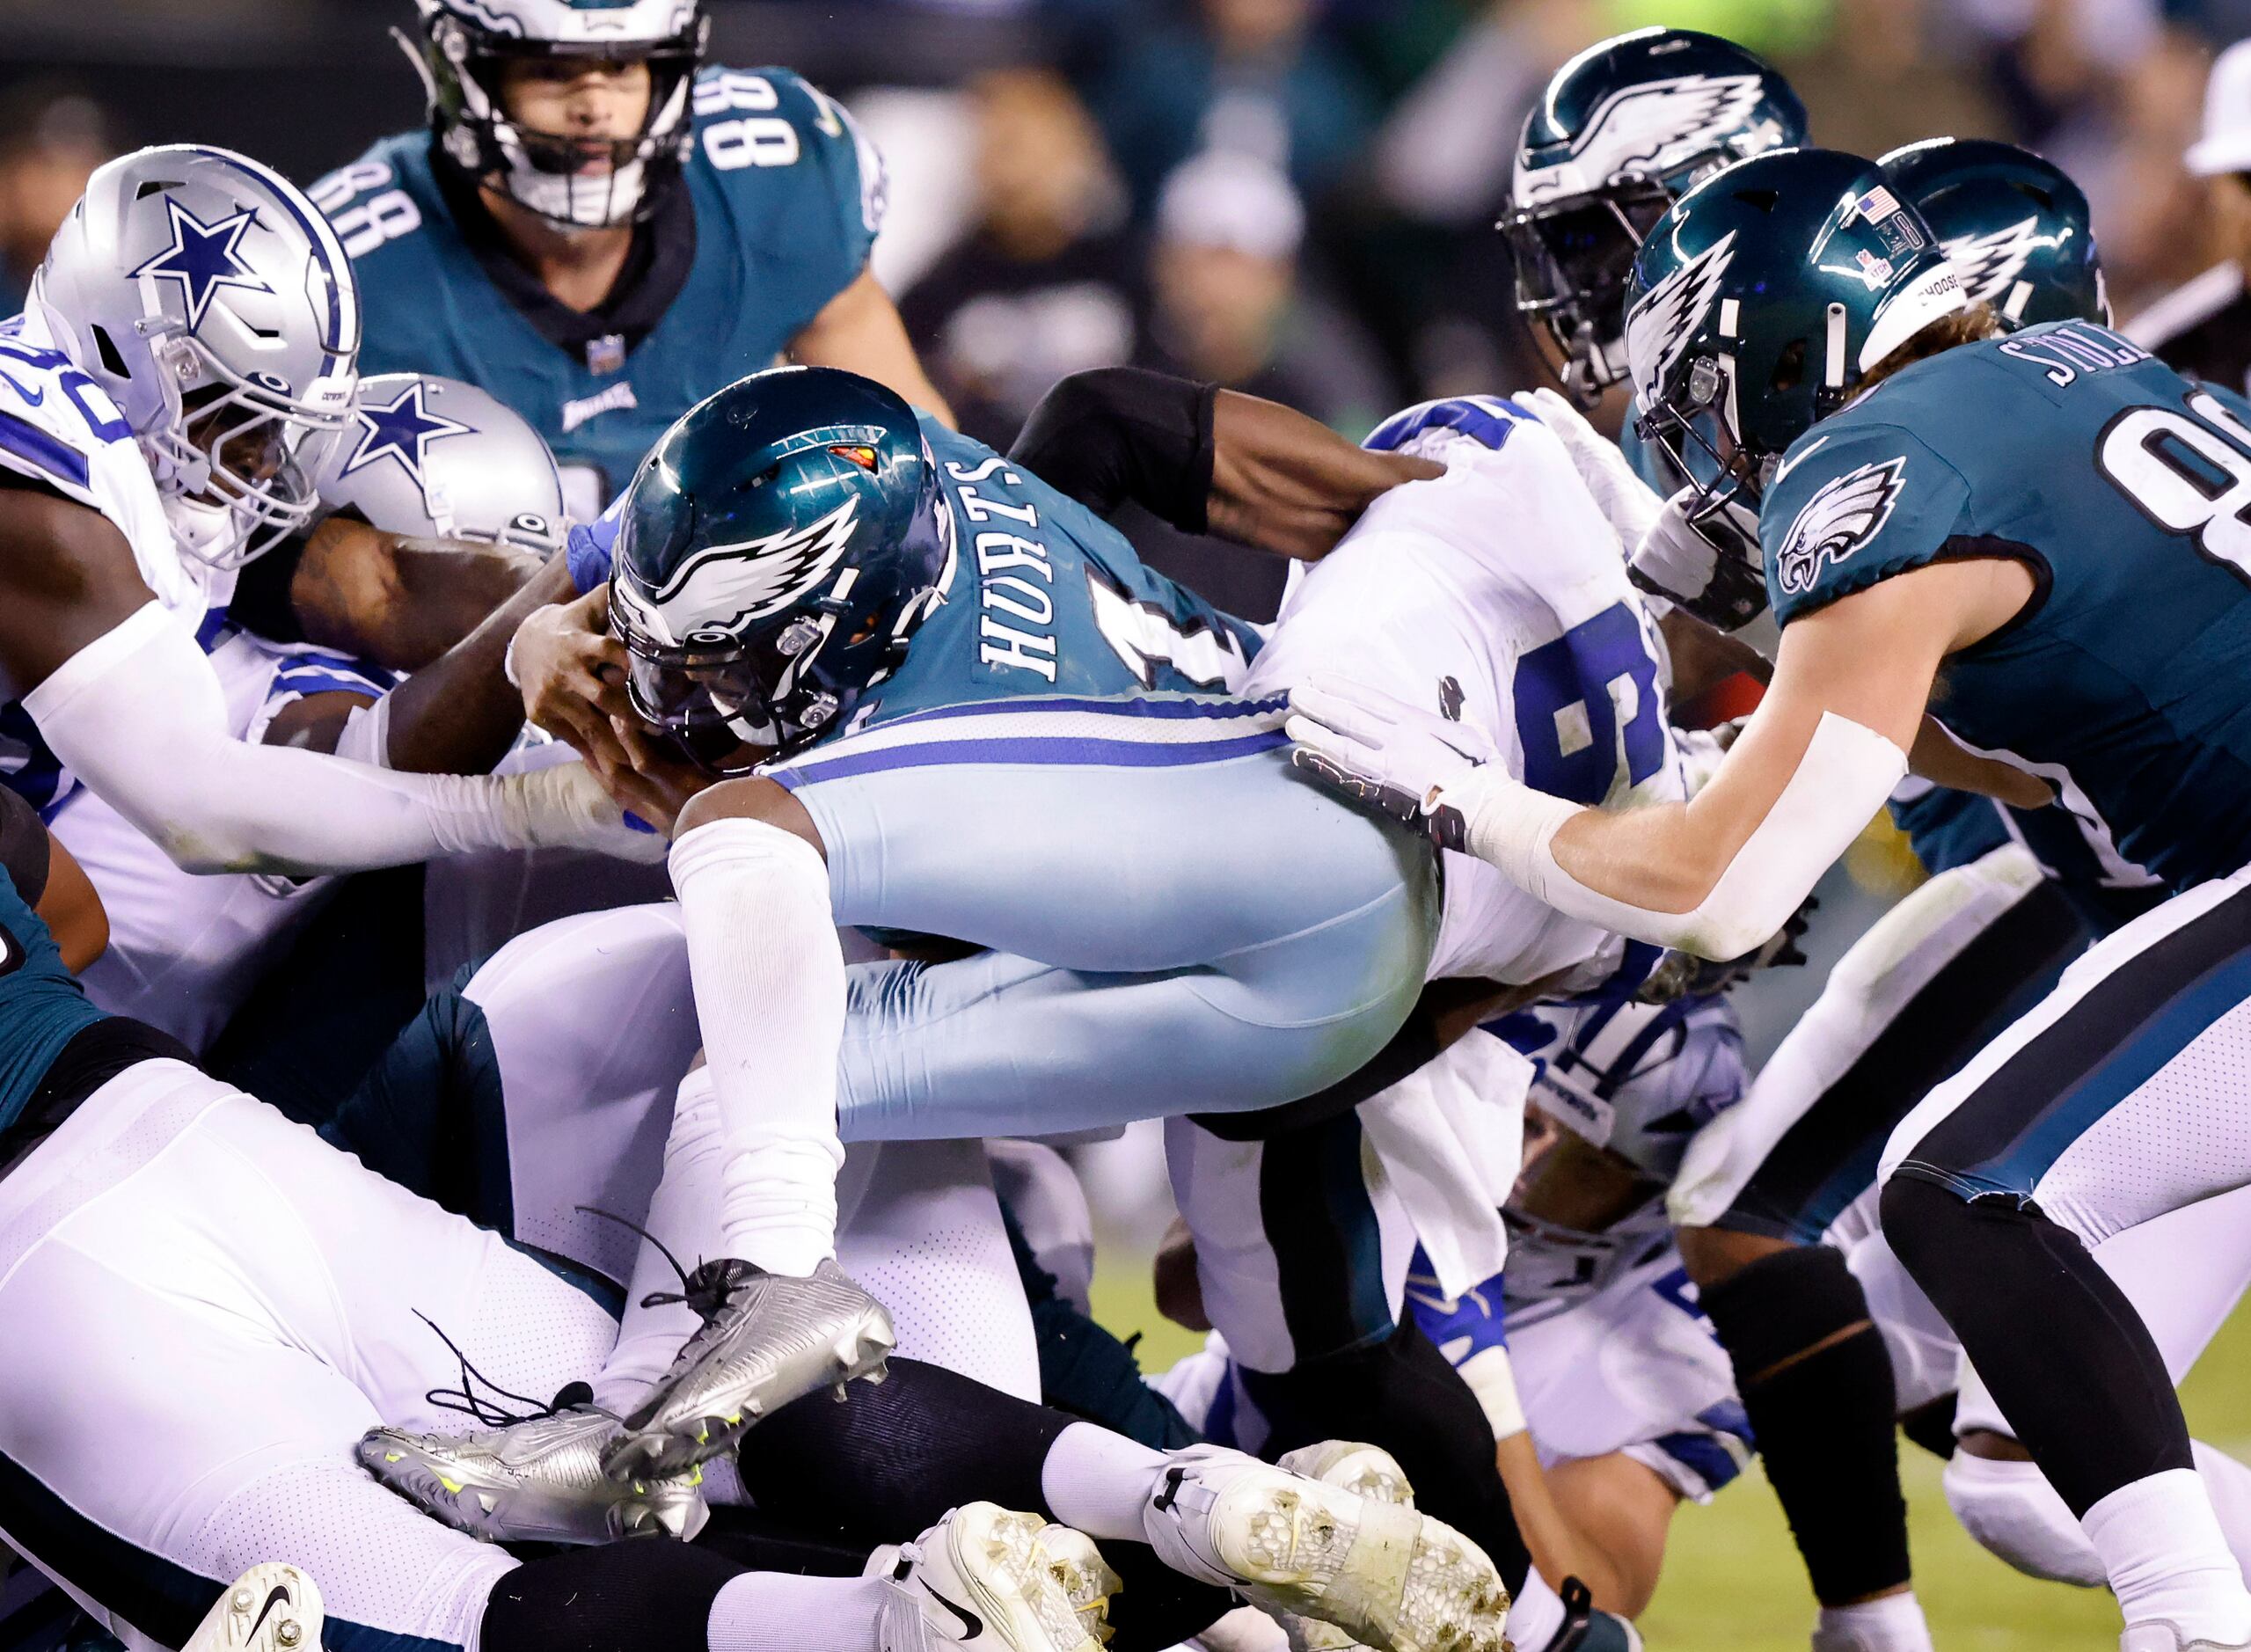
pixel 1852 504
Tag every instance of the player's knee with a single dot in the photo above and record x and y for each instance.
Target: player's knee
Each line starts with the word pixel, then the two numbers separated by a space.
pixel 1714 1255
pixel 2011 1510
pixel 1926 1226
pixel 1776 1310
pixel 616 1597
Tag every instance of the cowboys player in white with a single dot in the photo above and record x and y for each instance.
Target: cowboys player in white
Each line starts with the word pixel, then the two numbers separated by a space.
pixel 423 458
pixel 188 358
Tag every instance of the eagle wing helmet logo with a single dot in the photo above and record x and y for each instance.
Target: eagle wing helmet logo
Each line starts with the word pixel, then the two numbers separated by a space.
pixel 1662 124
pixel 1840 518
pixel 723 587
pixel 1989 265
pixel 1670 316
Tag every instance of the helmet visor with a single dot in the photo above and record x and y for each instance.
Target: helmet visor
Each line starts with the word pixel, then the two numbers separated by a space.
pixel 1576 253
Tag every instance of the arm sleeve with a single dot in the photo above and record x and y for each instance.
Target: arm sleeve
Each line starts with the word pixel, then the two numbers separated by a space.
pixel 24 850
pixel 139 716
pixel 1120 434
pixel 1855 507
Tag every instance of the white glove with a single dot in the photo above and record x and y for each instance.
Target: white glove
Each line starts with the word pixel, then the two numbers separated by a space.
pixel 1628 503
pixel 1713 569
pixel 564 807
pixel 1384 751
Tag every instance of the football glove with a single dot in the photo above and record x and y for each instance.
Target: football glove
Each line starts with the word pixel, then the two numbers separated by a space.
pixel 1628 503
pixel 1711 568
pixel 1384 751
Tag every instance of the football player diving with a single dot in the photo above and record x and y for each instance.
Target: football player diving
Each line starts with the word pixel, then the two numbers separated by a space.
pixel 2045 517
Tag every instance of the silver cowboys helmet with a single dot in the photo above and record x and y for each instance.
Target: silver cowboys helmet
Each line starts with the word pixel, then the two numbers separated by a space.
pixel 579 182
pixel 432 457
pixel 211 301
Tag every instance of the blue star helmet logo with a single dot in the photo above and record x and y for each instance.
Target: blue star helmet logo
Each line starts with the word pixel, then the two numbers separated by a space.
pixel 203 258
pixel 402 431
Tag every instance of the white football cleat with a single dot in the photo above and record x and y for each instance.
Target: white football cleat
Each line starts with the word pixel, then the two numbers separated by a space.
pixel 985 1579
pixel 1389 1577
pixel 1368 1470
pixel 269 1608
pixel 2163 1637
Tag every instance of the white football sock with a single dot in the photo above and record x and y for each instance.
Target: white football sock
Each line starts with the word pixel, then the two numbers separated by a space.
pixel 1535 1614
pixel 779 1612
pixel 2229 1482
pixel 769 997
pixel 2167 1561
pixel 683 1214
pixel 1100 1482
pixel 1891 1623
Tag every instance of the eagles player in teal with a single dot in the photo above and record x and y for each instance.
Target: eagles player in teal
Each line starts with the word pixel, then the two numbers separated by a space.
pixel 2034 536
pixel 600 232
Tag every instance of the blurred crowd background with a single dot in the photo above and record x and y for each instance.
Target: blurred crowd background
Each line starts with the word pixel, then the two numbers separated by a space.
pixel 1292 197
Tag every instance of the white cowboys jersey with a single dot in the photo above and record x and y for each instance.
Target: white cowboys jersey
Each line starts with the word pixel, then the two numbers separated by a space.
pixel 59 429
pixel 1497 593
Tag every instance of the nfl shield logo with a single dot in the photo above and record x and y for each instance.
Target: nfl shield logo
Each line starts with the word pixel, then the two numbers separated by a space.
pixel 606 353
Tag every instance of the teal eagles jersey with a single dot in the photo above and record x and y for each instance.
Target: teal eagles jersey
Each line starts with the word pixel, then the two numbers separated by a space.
pixel 1044 599
pixel 2126 682
pixel 42 1007
pixel 787 196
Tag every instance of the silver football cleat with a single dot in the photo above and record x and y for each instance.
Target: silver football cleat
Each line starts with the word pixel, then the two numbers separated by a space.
pixel 269 1608
pixel 540 1480
pixel 767 1339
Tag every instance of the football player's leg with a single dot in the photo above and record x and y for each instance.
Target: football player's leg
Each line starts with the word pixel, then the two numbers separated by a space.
pixel 2184 1272
pixel 1214 936
pixel 1935 978
pixel 2116 1100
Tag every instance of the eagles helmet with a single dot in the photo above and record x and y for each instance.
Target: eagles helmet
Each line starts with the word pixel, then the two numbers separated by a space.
pixel 215 307
pixel 433 458
pixel 1759 304
pixel 774 555
pixel 2019 231
pixel 465 43
pixel 1621 132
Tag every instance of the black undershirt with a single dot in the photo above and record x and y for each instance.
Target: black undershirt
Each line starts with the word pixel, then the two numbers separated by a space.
pixel 656 266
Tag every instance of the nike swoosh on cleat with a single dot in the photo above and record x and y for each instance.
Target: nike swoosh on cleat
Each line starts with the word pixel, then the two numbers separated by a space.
pixel 278 1596
pixel 972 1625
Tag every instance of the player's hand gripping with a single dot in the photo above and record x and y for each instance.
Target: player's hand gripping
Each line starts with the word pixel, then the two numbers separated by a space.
pixel 1384 751
pixel 572 673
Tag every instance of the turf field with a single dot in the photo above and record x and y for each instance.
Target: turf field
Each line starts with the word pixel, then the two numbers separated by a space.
pixel 1732 1582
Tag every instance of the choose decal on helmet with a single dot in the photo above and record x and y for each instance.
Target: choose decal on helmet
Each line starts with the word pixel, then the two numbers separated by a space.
pixel 1761 302
pixel 432 456
pixel 213 304
pixel 1621 132
pixel 774 555
pixel 2018 230
pixel 465 46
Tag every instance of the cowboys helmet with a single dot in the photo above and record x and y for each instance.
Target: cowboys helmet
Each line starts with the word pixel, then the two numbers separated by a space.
pixel 432 457
pixel 214 305
pixel 2018 230
pixel 579 182
pixel 1637 1080
pixel 774 555
pixel 1621 131
pixel 1761 302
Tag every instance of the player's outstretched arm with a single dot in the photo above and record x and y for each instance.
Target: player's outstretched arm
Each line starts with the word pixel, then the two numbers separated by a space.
pixel 131 705
pixel 1206 460
pixel 860 331
pixel 399 602
pixel 1717 875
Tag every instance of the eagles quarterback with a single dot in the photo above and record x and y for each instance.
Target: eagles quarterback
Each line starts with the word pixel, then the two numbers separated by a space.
pixel 2034 536
pixel 599 232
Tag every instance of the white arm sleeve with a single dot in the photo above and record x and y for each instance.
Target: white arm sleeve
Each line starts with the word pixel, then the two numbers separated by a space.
pixel 1839 784
pixel 138 716
pixel 769 997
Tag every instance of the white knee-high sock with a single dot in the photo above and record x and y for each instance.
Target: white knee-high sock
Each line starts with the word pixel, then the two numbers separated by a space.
pixel 1891 1623
pixel 2229 1483
pixel 769 998
pixel 777 1612
pixel 683 1214
pixel 2167 1560
pixel 1101 1482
